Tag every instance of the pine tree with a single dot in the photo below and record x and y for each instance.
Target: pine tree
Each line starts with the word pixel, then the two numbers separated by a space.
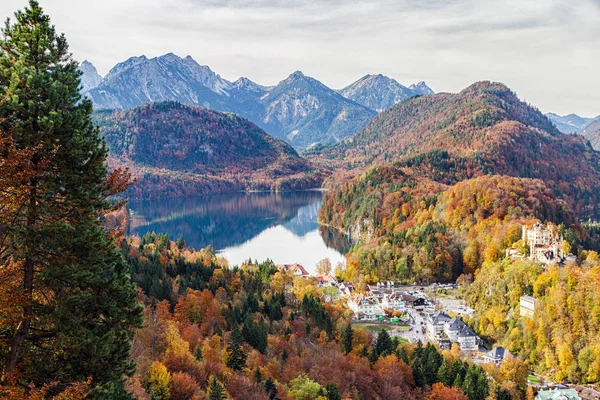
pixel 347 337
pixel 332 392
pixel 469 385
pixel 180 243
pixel 271 389
pixel 258 375
pixel 443 374
pixel 384 345
pixel 236 357
pixel 216 390
pixel 402 354
pixel 80 306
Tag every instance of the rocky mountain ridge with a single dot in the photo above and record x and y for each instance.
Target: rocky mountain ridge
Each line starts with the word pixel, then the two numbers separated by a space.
pixel 300 109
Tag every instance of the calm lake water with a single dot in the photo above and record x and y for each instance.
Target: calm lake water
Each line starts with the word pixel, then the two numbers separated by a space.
pixel 279 226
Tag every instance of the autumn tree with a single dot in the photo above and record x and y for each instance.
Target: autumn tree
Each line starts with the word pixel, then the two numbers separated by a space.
pixel 324 267
pixel 78 307
pixel 441 392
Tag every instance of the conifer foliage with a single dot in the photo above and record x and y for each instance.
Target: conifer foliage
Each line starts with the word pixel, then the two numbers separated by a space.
pixel 73 307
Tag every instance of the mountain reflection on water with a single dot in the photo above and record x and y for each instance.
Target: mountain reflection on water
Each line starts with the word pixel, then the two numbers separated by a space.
pixel 279 226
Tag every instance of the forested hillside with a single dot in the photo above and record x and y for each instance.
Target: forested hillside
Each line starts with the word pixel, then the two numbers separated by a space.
pixel 562 339
pixel 174 149
pixel 487 125
pixel 254 333
pixel 437 154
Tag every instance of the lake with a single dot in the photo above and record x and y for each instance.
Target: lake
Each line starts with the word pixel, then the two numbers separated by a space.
pixel 279 226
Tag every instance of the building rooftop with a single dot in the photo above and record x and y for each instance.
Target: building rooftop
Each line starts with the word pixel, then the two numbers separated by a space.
pixel 497 354
pixel 557 394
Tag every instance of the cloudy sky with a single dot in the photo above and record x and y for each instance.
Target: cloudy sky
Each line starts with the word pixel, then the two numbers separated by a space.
pixel 548 51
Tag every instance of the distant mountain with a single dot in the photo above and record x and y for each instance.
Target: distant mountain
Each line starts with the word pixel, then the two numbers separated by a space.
pixel 481 130
pixel 299 109
pixel 175 150
pixel 421 88
pixel 141 80
pixel 90 78
pixel 571 123
pixel 378 92
pixel 591 131
pixel 303 111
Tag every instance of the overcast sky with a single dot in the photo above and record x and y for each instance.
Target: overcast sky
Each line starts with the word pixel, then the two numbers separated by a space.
pixel 548 51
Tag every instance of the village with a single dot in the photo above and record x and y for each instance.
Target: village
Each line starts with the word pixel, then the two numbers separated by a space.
pixel 432 314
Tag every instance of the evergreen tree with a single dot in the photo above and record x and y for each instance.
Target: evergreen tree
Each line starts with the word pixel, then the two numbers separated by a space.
pixel 80 307
pixel 443 374
pixel 347 337
pixel 258 375
pixel 284 356
pixel 236 357
pixel 180 243
pixel 503 394
pixel 198 353
pixel 384 345
pixel 271 389
pixel 364 352
pixel 216 390
pixel 483 388
pixel 332 392
pixel 469 385
pixel 402 355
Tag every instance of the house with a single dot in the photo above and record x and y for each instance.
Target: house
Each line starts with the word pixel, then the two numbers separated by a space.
pixel 325 280
pixel 445 330
pixel 435 324
pixel 496 355
pixel 365 306
pixel 557 394
pixel 527 306
pixel 416 303
pixel 346 289
pixel 587 393
pixel 294 269
pixel 467 339
pixel 393 301
pixel 545 244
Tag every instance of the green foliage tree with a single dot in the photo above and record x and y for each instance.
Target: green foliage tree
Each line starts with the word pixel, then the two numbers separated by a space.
pixel 347 337
pixel 236 357
pixel 216 390
pixel 332 392
pixel 81 307
pixel 302 387
pixel 271 389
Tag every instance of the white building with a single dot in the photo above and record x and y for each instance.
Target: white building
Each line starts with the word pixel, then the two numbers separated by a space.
pixel 364 307
pixel 527 306
pixel 394 301
pixel 445 330
pixel 545 244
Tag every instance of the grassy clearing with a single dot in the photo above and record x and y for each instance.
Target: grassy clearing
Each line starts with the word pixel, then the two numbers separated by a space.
pixel 533 380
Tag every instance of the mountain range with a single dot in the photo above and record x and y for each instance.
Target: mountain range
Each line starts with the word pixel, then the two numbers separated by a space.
pixel 571 123
pixel 379 92
pixel 176 150
pixel 300 109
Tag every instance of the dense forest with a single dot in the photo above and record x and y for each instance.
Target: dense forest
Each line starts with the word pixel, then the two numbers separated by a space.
pixel 174 150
